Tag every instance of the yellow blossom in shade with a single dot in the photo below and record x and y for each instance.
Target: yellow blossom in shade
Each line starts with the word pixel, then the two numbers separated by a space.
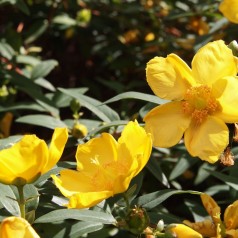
pixel 16 227
pixel 182 231
pixel 5 125
pixel 216 227
pixel 105 166
pixel 229 8
pixel 203 99
pixel 29 158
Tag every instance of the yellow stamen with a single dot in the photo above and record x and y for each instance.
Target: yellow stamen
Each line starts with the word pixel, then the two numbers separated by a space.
pixel 199 102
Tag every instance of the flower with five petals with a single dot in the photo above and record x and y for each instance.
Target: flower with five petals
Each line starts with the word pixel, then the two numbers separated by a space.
pixel 105 166
pixel 203 99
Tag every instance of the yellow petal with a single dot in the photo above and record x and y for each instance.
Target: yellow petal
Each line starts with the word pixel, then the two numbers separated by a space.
pixel 86 200
pixel 16 227
pixel 56 149
pixel 208 140
pixel 231 216
pixel 82 190
pixel 211 207
pixel 212 62
pixel 97 152
pixel 232 233
pixel 206 228
pixel 25 160
pixel 229 10
pixel 182 231
pixel 169 78
pixel 135 147
pixel 228 99
pixel 166 123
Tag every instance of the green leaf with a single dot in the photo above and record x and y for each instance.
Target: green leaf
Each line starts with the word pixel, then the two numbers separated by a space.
pixel 79 229
pixel 8 200
pixel 6 50
pixel 64 20
pixel 42 120
pixel 83 215
pixel 36 30
pixel 45 84
pixel 23 106
pixel 42 69
pixel 104 112
pixel 23 7
pixel 29 87
pixel 184 162
pixel 151 200
pixel 228 179
pixel 154 167
pixel 137 95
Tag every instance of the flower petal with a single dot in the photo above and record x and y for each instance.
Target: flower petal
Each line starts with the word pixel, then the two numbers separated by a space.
pixel 81 189
pixel 85 200
pixel 208 140
pixel 211 207
pixel 183 231
pixel 97 152
pixel 228 99
pixel 206 228
pixel 17 227
pixel 167 124
pixel 212 62
pixel 56 149
pixel 231 216
pixel 21 161
pixel 229 10
pixel 135 146
pixel 168 77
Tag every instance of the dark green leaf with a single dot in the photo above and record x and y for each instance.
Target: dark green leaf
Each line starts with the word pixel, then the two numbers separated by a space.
pixel 83 215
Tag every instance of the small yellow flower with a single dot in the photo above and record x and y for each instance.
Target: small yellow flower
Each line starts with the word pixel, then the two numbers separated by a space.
pixel 182 231
pixel 105 166
pixel 204 98
pixel 215 227
pixel 16 227
pixel 229 8
pixel 29 158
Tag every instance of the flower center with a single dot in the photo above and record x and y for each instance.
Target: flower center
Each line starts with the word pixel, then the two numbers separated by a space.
pixel 199 102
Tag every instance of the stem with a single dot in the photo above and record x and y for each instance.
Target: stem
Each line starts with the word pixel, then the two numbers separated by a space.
pixel 21 201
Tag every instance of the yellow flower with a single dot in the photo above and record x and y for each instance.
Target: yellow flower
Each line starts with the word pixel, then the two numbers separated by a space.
pixel 16 227
pixel 229 8
pixel 105 166
pixel 182 231
pixel 29 158
pixel 204 98
pixel 5 125
pixel 215 227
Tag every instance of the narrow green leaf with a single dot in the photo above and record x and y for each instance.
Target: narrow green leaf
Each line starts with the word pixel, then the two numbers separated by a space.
pixel 83 215
pixel 79 229
pixel 42 69
pixel 137 95
pixel 45 84
pixel 152 200
pixel 23 106
pixel 6 50
pixel 8 200
pixel 104 112
pixel 64 20
pixel 42 120
pixel 228 179
pixel 184 162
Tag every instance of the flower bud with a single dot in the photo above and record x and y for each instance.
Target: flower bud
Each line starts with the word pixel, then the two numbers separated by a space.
pixel 79 131
pixel 137 220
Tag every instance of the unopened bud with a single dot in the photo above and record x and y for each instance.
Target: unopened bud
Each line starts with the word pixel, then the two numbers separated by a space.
pixel 79 131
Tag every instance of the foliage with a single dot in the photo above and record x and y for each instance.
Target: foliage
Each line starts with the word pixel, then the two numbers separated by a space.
pixel 81 65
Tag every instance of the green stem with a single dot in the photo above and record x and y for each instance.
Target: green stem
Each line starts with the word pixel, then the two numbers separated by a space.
pixel 21 200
